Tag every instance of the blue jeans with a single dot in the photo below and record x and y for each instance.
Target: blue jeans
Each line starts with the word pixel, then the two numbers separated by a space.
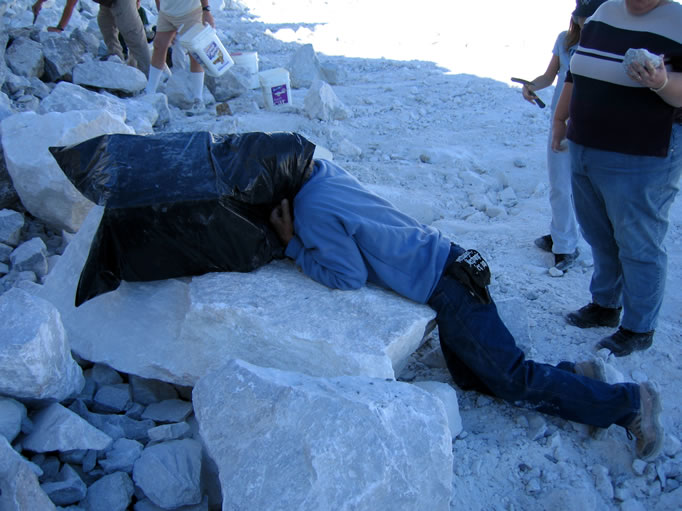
pixel 622 203
pixel 482 355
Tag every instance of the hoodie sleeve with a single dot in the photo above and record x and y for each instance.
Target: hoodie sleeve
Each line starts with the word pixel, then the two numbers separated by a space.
pixel 327 253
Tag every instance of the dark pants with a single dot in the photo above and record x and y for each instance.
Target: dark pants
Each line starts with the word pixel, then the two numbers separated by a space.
pixel 482 355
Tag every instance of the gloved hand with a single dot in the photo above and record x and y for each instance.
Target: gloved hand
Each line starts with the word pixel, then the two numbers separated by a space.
pixel 472 271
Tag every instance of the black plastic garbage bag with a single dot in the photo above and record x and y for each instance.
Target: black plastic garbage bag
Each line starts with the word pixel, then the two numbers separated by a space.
pixel 182 204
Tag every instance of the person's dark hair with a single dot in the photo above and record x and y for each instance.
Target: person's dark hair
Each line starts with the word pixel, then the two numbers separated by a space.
pixel 573 34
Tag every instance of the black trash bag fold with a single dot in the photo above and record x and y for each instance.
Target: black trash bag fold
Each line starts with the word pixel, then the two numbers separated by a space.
pixel 182 204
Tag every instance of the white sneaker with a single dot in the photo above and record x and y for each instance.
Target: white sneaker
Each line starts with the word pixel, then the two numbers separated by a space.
pixel 196 108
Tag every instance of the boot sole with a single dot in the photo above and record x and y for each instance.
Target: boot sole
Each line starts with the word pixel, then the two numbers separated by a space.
pixel 656 409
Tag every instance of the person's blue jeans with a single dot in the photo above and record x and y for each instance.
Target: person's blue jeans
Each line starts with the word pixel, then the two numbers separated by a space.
pixel 622 203
pixel 482 355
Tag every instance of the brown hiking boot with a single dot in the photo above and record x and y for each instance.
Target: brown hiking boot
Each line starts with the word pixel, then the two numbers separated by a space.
pixel 593 315
pixel 646 426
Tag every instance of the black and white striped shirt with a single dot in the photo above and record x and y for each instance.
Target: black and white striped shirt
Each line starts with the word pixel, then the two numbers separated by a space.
pixel 609 110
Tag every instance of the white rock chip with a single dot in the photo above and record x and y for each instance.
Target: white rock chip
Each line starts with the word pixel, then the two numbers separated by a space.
pixel 35 359
pixel 56 428
pixel 42 186
pixel 19 487
pixel 322 103
pixel 299 442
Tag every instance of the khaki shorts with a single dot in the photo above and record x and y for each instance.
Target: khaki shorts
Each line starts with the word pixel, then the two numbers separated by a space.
pixel 165 23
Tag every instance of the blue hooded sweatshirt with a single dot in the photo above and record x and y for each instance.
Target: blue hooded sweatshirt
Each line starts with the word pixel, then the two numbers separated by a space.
pixel 345 236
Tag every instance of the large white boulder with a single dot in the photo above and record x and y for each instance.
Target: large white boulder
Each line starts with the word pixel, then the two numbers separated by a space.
pixel 35 359
pixel 284 440
pixel 177 330
pixel 42 186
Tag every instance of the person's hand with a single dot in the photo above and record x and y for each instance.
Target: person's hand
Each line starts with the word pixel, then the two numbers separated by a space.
pixel 280 218
pixel 648 75
pixel 55 29
pixel 528 94
pixel 207 17
pixel 559 129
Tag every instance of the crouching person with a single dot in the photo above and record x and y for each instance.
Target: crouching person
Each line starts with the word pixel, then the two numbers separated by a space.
pixel 343 236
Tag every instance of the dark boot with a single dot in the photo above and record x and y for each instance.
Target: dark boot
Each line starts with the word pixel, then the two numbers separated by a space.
pixel 623 342
pixel 593 315
pixel 544 243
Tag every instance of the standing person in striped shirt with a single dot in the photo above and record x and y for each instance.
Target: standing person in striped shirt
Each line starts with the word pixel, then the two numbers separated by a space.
pixel 624 127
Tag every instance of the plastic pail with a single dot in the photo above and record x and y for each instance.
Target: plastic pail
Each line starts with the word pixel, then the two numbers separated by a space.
pixel 276 87
pixel 203 44
pixel 248 61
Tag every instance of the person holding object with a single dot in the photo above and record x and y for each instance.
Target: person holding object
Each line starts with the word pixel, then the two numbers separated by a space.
pixel 178 16
pixel 562 239
pixel 114 16
pixel 344 236
pixel 623 121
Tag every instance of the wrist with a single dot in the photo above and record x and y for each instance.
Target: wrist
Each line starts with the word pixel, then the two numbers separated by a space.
pixel 206 8
pixel 660 89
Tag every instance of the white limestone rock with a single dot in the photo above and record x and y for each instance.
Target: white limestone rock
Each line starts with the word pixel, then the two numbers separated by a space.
pixel 42 186
pixel 35 359
pixel 641 56
pixel 69 96
pixel 61 55
pixel 110 76
pixel 322 103
pixel 299 442
pixel 19 486
pixel 25 57
pixel 11 224
pixel 448 397
pixel 178 330
pixel 304 67
pixel 31 255
pixel 56 428
pixel 170 473
pixel 12 415
pixel 160 103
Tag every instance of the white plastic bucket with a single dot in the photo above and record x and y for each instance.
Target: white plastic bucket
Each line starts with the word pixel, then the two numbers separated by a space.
pixel 276 87
pixel 248 61
pixel 203 44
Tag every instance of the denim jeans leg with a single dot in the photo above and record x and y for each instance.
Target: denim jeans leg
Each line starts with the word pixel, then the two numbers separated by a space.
pixel 563 228
pixel 632 194
pixel 476 335
pixel 607 277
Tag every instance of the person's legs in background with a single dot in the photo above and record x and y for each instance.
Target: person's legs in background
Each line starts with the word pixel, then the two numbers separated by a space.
pixel 634 195
pixel 107 26
pixel 158 62
pixel 563 228
pixel 130 25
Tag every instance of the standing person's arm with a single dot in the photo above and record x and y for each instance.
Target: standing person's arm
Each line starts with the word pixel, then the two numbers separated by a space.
pixel 206 16
pixel 544 80
pixel 66 14
pixel 560 120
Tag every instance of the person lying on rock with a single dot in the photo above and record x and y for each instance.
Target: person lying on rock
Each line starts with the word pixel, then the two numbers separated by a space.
pixel 343 236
